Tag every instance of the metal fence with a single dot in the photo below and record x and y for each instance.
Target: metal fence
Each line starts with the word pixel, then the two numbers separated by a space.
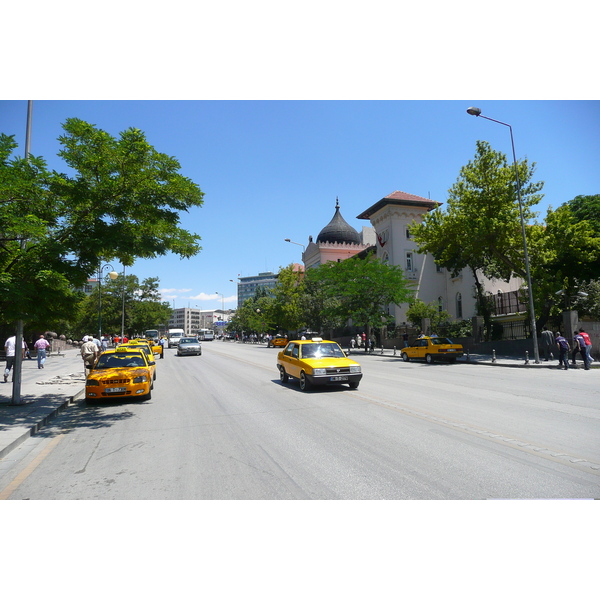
pixel 508 303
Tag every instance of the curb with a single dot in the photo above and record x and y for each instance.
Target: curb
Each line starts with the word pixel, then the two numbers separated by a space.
pixel 33 429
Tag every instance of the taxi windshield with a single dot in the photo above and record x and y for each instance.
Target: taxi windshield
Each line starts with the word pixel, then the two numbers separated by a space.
pixel 115 361
pixel 322 351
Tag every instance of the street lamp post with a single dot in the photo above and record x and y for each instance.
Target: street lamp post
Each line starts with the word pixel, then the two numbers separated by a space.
pixel 297 244
pixel 113 275
pixel 476 112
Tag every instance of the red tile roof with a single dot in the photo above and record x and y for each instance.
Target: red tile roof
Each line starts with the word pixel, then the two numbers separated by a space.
pixel 400 198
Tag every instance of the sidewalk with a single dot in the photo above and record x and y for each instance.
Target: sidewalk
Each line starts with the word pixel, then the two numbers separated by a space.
pixel 477 359
pixel 44 394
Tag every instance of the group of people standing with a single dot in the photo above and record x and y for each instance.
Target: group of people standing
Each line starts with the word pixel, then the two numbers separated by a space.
pixel 582 344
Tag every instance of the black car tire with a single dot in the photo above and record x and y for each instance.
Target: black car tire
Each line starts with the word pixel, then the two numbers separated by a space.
pixel 405 357
pixel 429 359
pixel 353 385
pixel 283 376
pixel 304 383
pixel 148 396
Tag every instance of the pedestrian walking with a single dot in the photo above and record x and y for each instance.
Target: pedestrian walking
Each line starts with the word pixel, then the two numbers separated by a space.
pixel 548 344
pixel 588 345
pixel 41 346
pixel 9 349
pixel 579 346
pixel 405 339
pixel 164 343
pixel 563 350
pixel 89 353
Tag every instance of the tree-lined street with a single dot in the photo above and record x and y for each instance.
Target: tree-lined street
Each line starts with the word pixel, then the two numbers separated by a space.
pixel 222 426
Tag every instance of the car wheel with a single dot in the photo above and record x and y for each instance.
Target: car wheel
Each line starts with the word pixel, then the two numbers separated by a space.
pixel 283 376
pixel 148 396
pixel 353 385
pixel 154 376
pixel 405 357
pixel 428 358
pixel 304 383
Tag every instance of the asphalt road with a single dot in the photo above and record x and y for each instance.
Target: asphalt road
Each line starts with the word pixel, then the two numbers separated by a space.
pixel 221 426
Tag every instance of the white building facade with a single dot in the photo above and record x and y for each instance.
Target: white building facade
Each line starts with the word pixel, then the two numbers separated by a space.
pixel 391 218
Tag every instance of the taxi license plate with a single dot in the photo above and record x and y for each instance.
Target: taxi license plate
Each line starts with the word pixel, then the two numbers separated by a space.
pixel 339 378
pixel 115 390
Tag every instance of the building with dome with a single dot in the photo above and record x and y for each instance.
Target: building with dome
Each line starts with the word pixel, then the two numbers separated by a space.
pixel 337 241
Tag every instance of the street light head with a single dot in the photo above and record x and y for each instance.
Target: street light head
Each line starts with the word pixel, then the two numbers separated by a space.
pixel 113 275
pixel 473 110
pixel 287 240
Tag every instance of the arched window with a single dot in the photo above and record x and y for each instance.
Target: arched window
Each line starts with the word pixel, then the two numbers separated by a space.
pixel 459 312
pixel 440 304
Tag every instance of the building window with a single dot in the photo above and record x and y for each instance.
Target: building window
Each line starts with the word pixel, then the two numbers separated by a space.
pixel 407 233
pixel 439 269
pixel 440 304
pixel 459 313
pixel 409 262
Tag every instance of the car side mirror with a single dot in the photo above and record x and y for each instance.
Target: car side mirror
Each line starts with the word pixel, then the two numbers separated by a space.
pixel 151 362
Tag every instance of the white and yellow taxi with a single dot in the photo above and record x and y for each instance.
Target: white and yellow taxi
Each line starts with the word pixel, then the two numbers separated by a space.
pixel 120 373
pixel 317 362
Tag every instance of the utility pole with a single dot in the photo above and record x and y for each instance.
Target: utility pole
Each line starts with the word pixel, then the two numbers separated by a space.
pixel 16 391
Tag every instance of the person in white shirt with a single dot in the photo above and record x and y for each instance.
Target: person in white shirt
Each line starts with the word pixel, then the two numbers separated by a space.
pixel 9 348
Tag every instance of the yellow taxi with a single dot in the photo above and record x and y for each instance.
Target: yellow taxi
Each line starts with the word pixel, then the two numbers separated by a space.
pixel 120 373
pixel 141 346
pixel 317 362
pixel 431 349
pixel 279 341
pixel 155 347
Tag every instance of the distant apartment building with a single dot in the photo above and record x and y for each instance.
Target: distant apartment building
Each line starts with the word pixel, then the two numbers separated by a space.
pixel 247 286
pixel 88 287
pixel 193 319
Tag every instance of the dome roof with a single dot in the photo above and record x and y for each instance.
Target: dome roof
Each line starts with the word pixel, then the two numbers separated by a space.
pixel 338 230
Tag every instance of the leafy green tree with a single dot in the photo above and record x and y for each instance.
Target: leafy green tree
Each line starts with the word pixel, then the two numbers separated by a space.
pixel 587 208
pixel 287 307
pixel 121 199
pixel 143 308
pixel 418 310
pixel 360 290
pixel 480 228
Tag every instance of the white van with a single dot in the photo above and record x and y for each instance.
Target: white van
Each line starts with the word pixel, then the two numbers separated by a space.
pixel 174 336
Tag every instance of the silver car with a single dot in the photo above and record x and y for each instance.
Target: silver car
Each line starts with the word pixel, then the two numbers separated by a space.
pixel 189 346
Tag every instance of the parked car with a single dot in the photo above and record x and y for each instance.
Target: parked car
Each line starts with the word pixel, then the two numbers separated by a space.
pixel 120 373
pixel 189 346
pixel 432 348
pixel 141 347
pixel 317 362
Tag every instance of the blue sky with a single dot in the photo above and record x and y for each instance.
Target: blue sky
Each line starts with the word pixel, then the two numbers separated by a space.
pixel 272 170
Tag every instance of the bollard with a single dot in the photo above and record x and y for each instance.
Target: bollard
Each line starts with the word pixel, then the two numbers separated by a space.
pixel 526 357
pixel 394 350
pixel 381 349
pixel 493 356
pixel 468 356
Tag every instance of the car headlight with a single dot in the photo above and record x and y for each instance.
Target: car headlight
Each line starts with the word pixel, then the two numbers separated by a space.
pixel 140 379
pixel 92 382
pixel 354 369
pixel 319 371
